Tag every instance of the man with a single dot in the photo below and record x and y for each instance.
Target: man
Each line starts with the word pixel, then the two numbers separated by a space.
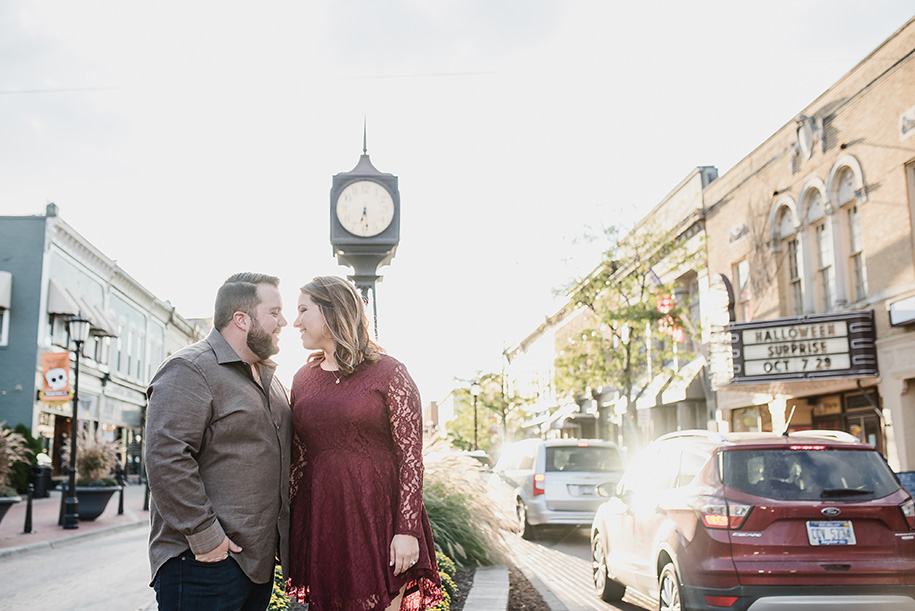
pixel 219 431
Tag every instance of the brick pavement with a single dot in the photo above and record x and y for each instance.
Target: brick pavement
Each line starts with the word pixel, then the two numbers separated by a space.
pixel 564 580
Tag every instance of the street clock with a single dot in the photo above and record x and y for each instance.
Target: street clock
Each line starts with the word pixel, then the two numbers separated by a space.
pixel 364 220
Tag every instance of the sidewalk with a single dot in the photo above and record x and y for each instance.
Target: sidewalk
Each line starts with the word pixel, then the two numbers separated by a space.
pixel 45 513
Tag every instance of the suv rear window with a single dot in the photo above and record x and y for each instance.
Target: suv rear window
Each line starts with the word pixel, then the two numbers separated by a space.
pixel 577 458
pixel 808 474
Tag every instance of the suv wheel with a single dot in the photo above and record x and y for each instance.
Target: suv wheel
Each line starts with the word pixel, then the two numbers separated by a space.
pixel 608 589
pixel 524 527
pixel 669 595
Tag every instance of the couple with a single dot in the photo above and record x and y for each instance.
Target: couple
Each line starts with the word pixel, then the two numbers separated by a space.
pixel 331 485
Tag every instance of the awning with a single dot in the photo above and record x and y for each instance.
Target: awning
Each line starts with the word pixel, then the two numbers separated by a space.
pixel 649 397
pixel 6 290
pixel 536 421
pixel 63 302
pixel 60 302
pixel 686 384
pixel 558 417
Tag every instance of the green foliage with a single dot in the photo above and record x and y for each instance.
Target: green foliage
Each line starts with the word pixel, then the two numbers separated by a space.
pixel 449 591
pixel 95 458
pixel 278 599
pixel 465 524
pixel 623 335
pixel 446 564
pixel 498 415
pixel 13 449
pixel 452 526
pixel 22 470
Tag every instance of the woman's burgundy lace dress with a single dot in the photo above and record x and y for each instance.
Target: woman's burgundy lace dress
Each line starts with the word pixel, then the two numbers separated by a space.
pixel 357 480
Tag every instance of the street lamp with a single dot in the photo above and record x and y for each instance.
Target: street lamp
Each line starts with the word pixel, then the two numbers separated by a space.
pixel 475 392
pixel 78 327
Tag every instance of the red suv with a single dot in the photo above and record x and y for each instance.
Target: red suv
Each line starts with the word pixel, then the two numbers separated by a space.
pixel 759 521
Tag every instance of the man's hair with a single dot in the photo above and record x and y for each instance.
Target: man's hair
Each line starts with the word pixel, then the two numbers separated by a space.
pixel 239 294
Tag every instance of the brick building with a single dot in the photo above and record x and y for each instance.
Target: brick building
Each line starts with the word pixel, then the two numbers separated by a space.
pixel 807 300
pixel 814 228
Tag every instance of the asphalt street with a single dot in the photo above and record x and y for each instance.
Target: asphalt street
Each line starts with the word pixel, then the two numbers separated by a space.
pixel 108 572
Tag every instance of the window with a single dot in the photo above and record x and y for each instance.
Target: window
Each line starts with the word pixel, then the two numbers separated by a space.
pixel 795 286
pixel 793 264
pixel 741 274
pixel 825 272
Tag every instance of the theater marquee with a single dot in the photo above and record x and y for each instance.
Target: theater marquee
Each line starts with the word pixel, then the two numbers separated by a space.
pixel 817 346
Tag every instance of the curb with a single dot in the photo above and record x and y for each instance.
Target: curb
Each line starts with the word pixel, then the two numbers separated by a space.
pixel 489 589
pixel 70 539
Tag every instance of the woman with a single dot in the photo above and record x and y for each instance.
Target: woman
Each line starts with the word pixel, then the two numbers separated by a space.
pixel 360 538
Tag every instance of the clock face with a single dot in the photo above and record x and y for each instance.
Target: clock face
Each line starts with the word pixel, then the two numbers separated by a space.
pixel 365 208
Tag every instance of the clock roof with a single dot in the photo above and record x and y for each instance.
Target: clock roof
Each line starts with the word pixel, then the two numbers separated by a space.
pixel 364 168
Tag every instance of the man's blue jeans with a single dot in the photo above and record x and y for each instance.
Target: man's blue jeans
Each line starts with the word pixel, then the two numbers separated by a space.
pixel 184 584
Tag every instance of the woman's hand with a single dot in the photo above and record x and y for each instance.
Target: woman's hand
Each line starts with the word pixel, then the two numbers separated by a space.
pixel 404 553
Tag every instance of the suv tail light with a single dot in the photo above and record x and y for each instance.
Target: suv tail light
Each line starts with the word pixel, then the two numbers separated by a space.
pixel 908 510
pixel 538 483
pixel 720 513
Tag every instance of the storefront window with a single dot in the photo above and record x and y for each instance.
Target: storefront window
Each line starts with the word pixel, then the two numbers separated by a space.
pixel 755 419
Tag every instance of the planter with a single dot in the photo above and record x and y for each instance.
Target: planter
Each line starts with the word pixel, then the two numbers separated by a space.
pixel 93 500
pixel 6 502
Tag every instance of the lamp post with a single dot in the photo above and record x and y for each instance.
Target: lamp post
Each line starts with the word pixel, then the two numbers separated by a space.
pixel 475 392
pixel 78 327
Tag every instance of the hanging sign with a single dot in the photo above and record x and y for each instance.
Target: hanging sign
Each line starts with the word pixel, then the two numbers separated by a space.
pixel 55 369
pixel 807 347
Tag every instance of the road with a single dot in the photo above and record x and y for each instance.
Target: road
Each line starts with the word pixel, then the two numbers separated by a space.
pixel 561 560
pixel 105 573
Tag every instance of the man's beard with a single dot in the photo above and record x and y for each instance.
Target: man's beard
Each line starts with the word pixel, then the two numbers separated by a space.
pixel 260 342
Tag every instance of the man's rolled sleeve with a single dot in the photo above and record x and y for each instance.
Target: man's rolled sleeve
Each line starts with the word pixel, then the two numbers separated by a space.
pixel 208 539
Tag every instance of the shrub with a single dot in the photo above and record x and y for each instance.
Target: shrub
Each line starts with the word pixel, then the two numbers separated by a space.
pixel 278 600
pixel 22 470
pixel 466 525
pixel 95 458
pixel 13 449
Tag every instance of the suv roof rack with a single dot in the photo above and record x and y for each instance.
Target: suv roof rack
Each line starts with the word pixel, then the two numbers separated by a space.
pixel 700 433
pixel 825 433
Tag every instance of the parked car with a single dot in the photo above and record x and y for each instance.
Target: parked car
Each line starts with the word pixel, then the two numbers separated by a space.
pixel 704 521
pixel 554 481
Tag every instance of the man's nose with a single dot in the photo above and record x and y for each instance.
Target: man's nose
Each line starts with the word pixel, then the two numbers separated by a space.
pixel 281 321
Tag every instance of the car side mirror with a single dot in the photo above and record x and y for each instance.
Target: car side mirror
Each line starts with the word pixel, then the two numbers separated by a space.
pixel 607 490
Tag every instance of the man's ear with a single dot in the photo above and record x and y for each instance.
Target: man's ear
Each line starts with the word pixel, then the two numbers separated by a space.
pixel 241 320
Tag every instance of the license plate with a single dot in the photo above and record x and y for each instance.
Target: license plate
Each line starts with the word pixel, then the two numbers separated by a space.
pixel 830 533
pixel 582 490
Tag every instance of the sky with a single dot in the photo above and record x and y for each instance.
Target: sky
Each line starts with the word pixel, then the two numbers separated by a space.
pixel 190 140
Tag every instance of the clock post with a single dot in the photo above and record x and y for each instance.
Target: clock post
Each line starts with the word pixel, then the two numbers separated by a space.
pixel 365 223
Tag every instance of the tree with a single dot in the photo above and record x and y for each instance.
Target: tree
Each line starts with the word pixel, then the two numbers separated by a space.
pixel 498 414
pixel 633 315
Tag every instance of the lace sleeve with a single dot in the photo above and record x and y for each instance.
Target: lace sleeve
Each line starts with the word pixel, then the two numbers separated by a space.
pixel 297 467
pixel 405 411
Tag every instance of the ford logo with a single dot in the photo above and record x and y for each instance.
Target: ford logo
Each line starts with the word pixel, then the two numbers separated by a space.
pixel 831 512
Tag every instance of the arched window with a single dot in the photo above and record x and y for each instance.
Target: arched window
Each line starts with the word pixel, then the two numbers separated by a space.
pixel 823 252
pixel 793 261
pixel 847 199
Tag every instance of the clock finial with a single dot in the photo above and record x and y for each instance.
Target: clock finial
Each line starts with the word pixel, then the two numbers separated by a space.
pixel 365 150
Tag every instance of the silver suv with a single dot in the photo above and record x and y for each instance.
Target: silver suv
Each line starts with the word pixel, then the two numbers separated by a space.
pixel 554 481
